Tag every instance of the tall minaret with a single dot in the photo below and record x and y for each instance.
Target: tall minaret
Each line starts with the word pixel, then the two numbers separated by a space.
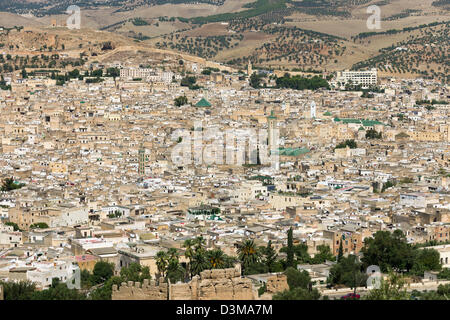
pixel 287 108
pixel 313 109
pixel 271 124
pixel 141 155
pixel 249 68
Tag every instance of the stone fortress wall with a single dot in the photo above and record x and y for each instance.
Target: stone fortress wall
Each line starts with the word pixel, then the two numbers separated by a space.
pixel 277 283
pixel 216 284
pixel 148 290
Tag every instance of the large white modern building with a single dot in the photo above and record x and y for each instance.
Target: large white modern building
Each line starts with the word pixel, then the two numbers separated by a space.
pixel 147 74
pixel 364 78
pixel 130 73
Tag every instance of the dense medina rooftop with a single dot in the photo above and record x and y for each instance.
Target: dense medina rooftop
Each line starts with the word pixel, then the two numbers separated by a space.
pixel 88 170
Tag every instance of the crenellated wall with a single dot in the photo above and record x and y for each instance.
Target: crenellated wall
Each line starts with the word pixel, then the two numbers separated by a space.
pixel 148 290
pixel 217 284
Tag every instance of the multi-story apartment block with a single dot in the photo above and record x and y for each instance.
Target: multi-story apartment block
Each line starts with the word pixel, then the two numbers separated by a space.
pixel 364 78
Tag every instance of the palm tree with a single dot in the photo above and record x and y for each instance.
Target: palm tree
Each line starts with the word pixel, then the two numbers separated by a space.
pixel 247 253
pixel 199 242
pixel 172 254
pixel 172 260
pixel 188 244
pixel 161 262
pixel 199 263
pixel 216 258
pixel 174 270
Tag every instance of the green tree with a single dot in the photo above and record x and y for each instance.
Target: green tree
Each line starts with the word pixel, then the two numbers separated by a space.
pixel 301 252
pixel 9 184
pixel 444 274
pixel 247 254
pixel 323 254
pixel 373 134
pixel 180 101
pixel 86 279
pixel 113 72
pixel 255 80
pixel 270 257
pixel 22 290
pixel 297 279
pixel 262 289
pixel 350 143
pixel 12 224
pixel 135 272
pixel 189 252
pixel 161 262
pixel 188 81
pixel 175 272
pixel 199 243
pixel 102 272
pixel 58 291
pixel 39 225
pixel 290 249
pixel 340 252
pixel 393 288
pixel 216 258
pixel 348 271
pixel 104 292
pixel 388 250
pixel 199 262
pixel 297 294
pixel 426 260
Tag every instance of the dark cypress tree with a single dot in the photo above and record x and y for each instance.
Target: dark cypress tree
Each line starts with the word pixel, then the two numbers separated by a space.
pixel 340 252
pixel 270 256
pixel 290 249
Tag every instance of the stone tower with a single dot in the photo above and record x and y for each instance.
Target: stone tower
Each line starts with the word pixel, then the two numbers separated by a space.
pixel 272 125
pixel 142 160
pixel 249 68
pixel 313 109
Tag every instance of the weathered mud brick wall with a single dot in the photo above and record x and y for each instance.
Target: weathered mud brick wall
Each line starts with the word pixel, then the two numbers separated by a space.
pixel 277 283
pixel 217 284
pixel 148 290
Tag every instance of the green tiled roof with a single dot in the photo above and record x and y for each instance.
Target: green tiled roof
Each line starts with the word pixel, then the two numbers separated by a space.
pixel 370 123
pixel 364 122
pixel 272 115
pixel 203 103
pixel 214 217
pixel 292 152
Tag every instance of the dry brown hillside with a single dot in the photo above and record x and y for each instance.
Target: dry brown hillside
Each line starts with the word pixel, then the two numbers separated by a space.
pixel 33 41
